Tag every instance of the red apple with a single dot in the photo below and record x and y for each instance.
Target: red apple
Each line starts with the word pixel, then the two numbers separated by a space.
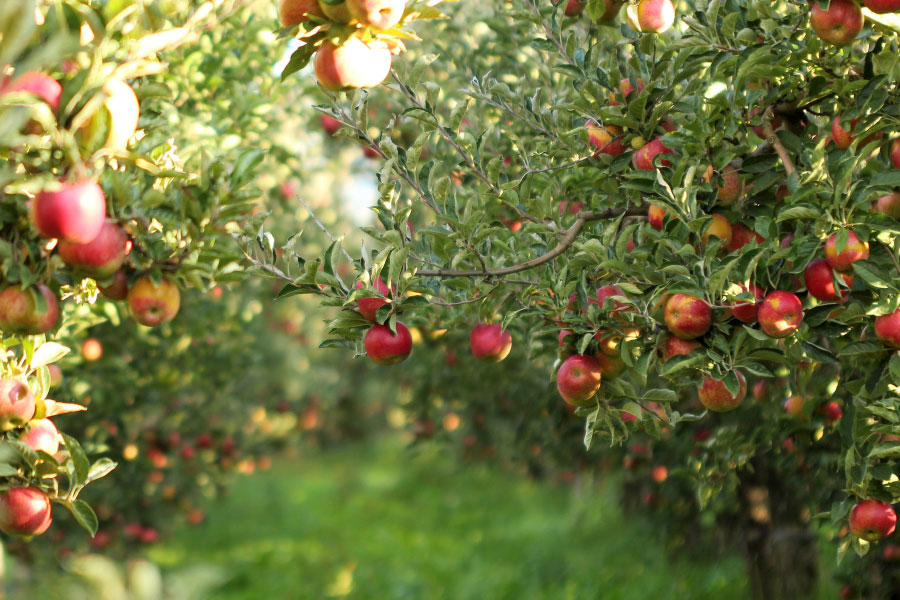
pixel 840 136
pixel 380 14
pixel 24 511
pixel 675 346
pixel 611 10
pixel 854 250
pixel 117 289
pixel 574 8
pixel 887 328
pixel 603 138
pixel 490 343
pixel 43 86
pixel 151 304
pixel 741 235
pixel 42 435
pixel 872 520
pixel 780 314
pixel 655 216
pixel 294 12
pixel 643 158
pixel 354 64
pixel 609 291
pixel 720 228
pixel 731 187
pixel 101 257
pixel 794 406
pixel 744 310
pixel 610 366
pixel 888 205
pixel 578 379
pixel 687 317
pixel 338 12
pixel 839 24
pixel 17 404
pixel 895 153
pixel 651 16
pixel 659 473
pixel 832 411
pixel 75 213
pixel 626 89
pixel 882 7
pixel 91 349
pixel 890 553
pixel 387 348
pixel 20 312
pixel 819 278
pixel 330 124
pixel 714 394
pixel 368 307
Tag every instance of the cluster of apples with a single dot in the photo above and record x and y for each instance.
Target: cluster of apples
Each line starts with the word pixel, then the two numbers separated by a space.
pixel 25 511
pixel 359 61
pixel 843 20
pixel 72 216
pixel 644 16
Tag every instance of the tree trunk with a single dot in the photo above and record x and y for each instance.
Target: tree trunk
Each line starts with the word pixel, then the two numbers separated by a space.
pixel 779 547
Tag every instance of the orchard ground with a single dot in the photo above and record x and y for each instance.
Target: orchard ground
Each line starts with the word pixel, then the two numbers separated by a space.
pixel 375 520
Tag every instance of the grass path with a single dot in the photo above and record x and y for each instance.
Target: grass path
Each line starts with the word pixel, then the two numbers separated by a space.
pixel 383 523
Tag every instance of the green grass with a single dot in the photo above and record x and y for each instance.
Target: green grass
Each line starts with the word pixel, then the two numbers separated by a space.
pixel 383 523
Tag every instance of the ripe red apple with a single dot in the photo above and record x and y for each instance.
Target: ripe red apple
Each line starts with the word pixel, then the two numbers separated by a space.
pixel 720 228
pixel 854 250
pixel 887 328
pixel 24 511
pixel 741 235
pixel 731 187
pixel 780 314
pixel 43 86
pixel 609 291
pixel 744 310
pixel 651 16
pixel 563 334
pixel 832 411
pixel 101 257
pixel 819 278
pixel 890 553
pixel 354 64
pixel 839 24
pixel 368 307
pixel 626 89
pixel 840 136
pixel 151 304
pixel 687 317
pixel 385 347
pixel 294 12
pixel 882 7
pixel 715 396
pixel 578 379
pixel 602 138
pixel 117 289
pixel 42 435
pixel 888 205
pixel 574 8
pixel 56 376
pixel 75 213
pixel 659 473
pixel 17 404
pixel 895 153
pixel 91 349
pixel 490 343
pixel 675 346
pixel 21 314
pixel 380 14
pixel 330 124
pixel 872 520
pixel 794 406
pixel 655 216
pixel 643 158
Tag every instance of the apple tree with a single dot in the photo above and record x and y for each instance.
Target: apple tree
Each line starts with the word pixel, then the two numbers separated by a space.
pixel 665 206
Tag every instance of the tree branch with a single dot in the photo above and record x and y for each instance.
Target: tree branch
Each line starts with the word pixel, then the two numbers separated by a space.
pixel 564 244
pixel 773 140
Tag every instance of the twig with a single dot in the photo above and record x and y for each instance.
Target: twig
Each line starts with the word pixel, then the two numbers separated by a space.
pixel 322 226
pixel 564 244
pixel 773 139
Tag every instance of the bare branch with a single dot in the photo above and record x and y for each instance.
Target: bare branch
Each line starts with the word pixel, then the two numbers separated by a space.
pixel 773 140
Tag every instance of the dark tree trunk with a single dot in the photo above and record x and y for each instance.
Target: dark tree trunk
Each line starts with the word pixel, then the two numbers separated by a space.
pixel 779 547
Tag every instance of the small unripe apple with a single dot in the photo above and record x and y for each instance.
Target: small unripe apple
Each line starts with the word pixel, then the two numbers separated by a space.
pixel 780 314
pixel 42 435
pixel 741 235
pixel 655 216
pixel 819 278
pixel 839 24
pixel 490 343
pixel 368 307
pixel 387 348
pixel 854 250
pixel 20 312
pixel 675 346
pixel 578 379
pixel 731 187
pixel 882 7
pixel 17 404
pixel 91 349
pixel 101 257
pixel 75 213
pixel 610 366
pixel 887 328
pixel 687 317
pixel 294 12
pixel 714 394
pixel 872 520
pixel 643 158
pixel 794 406
pixel 380 14
pixel 24 511
pixel 353 64
pixel 151 304
pixel 651 16
pixel 602 139
pixel 744 310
